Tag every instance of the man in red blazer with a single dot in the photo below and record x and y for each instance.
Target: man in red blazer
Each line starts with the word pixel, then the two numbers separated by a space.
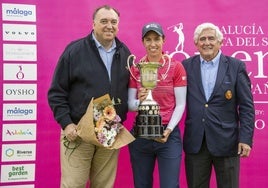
pixel 220 117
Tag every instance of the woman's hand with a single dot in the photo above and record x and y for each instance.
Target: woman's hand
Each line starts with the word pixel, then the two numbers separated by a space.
pixel 165 136
pixel 142 94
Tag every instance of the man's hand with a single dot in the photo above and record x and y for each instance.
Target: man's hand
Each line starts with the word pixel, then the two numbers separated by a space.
pixel 70 132
pixel 243 150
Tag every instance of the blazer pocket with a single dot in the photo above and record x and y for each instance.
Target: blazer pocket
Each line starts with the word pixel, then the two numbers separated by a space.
pixel 228 124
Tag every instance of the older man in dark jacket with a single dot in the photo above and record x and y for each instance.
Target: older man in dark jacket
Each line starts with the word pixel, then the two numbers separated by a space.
pixel 220 112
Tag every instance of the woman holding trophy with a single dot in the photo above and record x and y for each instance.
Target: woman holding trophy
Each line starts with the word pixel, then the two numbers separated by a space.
pixel 163 91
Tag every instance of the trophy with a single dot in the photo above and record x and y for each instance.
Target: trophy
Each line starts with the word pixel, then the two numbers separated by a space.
pixel 148 122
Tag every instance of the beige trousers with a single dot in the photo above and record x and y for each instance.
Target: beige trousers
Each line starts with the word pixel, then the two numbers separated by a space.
pixel 87 163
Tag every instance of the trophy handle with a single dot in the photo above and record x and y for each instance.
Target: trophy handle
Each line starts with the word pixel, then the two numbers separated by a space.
pixel 164 57
pixel 133 63
pixel 164 62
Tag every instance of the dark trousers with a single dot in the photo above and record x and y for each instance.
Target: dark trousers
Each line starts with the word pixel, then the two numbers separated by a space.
pixel 199 166
pixel 144 153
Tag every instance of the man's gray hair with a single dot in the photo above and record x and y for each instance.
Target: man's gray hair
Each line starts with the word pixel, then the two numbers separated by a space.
pixel 199 29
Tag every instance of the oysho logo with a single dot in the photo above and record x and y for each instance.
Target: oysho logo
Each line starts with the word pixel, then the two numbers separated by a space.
pixel 20 92
pixel 16 92
pixel 18 12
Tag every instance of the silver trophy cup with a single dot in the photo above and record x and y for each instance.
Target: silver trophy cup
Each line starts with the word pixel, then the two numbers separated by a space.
pixel 148 122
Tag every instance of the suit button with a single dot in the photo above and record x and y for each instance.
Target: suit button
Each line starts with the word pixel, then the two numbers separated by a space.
pixel 203 120
pixel 206 105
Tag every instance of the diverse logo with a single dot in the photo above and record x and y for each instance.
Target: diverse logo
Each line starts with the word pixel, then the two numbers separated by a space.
pixel 18 152
pixel 9 152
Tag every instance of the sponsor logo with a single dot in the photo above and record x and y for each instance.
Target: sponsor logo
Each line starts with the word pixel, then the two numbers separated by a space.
pixel 178 29
pixel 19 132
pixel 19 186
pixel 9 152
pixel 17 92
pixel 12 112
pixel 20 72
pixel 18 12
pixel 17 173
pixel 19 52
pixel 19 32
pixel 18 152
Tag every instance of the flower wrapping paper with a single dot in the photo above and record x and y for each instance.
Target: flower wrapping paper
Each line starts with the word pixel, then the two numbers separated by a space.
pixel 86 128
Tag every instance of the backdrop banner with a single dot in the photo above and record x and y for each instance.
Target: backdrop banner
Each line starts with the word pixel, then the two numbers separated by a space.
pixel 35 33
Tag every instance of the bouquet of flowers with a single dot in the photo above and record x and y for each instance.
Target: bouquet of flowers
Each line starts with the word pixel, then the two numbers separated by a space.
pixel 107 122
pixel 101 126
